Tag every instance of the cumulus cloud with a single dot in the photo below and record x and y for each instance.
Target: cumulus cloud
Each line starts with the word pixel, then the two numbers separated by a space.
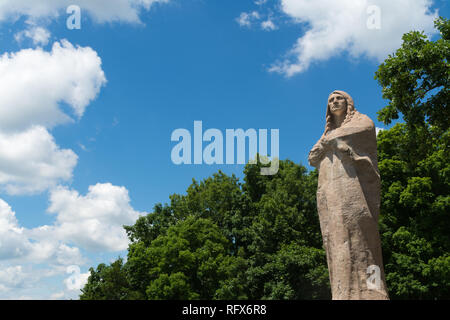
pixel 67 74
pixel 19 253
pixel 35 85
pixel 113 10
pixel 12 277
pixel 17 281
pixel 13 242
pixel 350 26
pixel 94 221
pixel 21 245
pixel 30 161
pixel 39 35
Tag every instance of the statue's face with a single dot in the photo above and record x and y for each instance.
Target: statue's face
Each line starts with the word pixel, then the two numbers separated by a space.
pixel 337 104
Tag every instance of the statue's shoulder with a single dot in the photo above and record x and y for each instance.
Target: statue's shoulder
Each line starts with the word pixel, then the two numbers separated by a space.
pixel 363 120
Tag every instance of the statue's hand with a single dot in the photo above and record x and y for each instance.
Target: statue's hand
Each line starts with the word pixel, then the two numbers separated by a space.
pixel 343 147
pixel 316 154
pixel 324 141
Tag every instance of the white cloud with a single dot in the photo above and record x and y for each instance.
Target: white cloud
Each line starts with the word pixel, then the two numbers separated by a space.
pixel 93 222
pixel 66 74
pixel 12 277
pixel 18 281
pixel 39 36
pixel 50 250
pixel 101 10
pixel 268 25
pixel 21 254
pixel 261 18
pixel 34 86
pixel 335 27
pixel 20 245
pixel 30 161
pixel 13 242
pixel 246 19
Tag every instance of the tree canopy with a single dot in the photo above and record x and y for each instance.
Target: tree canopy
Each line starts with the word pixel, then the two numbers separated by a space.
pixel 416 79
pixel 414 161
pixel 224 239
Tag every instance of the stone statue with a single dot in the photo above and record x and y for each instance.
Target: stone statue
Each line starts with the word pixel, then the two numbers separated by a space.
pixel 348 201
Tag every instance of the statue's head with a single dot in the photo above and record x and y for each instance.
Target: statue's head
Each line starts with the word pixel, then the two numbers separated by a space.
pixel 337 104
pixel 340 103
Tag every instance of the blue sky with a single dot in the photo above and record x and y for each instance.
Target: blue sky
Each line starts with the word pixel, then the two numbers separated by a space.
pixel 164 65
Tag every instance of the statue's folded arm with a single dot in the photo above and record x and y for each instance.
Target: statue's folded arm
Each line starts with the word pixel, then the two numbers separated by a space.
pixel 317 153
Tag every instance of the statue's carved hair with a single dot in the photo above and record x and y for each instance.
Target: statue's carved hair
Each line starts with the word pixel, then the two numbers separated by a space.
pixel 350 111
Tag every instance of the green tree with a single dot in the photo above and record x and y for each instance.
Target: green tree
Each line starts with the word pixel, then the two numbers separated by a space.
pixel 416 80
pixel 191 261
pixel 228 240
pixel 414 162
pixel 284 244
pixel 109 283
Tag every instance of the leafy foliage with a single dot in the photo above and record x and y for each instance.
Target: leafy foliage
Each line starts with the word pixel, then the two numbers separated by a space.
pixel 414 161
pixel 226 240
pixel 416 80
pixel 109 283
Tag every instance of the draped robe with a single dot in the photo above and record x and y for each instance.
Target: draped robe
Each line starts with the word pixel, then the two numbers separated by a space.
pixel 348 203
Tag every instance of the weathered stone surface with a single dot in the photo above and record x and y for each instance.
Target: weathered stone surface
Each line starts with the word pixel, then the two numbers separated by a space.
pixel 348 201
